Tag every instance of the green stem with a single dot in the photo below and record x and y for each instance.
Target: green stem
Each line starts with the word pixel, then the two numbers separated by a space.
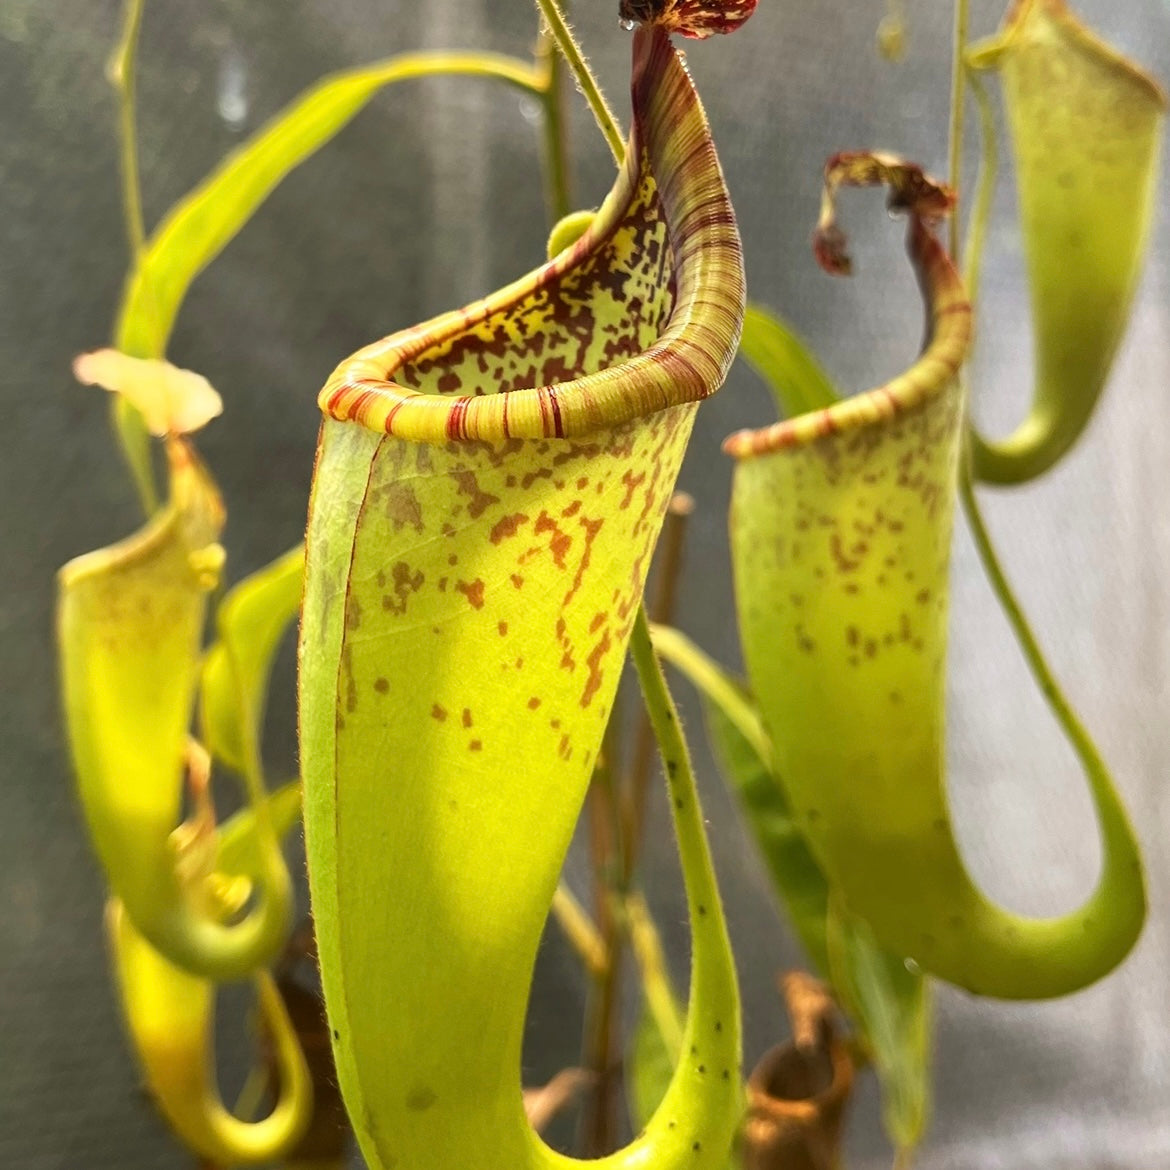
pixel 580 930
pixel 127 421
pixel 713 682
pixel 1065 715
pixel 122 76
pixel 958 92
pixel 687 810
pixel 671 546
pixel 988 174
pixel 626 803
pixel 601 1010
pixel 554 130
pixel 586 82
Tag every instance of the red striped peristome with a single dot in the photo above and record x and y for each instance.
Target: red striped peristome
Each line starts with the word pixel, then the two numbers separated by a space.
pixel 670 147
pixel 697 19
pixel 943 292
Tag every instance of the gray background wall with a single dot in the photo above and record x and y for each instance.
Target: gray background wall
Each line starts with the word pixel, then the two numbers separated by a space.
pixel 430 199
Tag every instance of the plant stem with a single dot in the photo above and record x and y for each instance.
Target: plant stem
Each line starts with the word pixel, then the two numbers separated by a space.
pixel 714 683
pixel 605 835
pixel 958 108
pixel 668 732
pixel 127 422
pixel 598 1117
pixel 579 929
pixel 626 804
pixel 661 612
pixel 555 131
pixel 988 174
pixel 586 82
pixel 122 77
pixel 1063 711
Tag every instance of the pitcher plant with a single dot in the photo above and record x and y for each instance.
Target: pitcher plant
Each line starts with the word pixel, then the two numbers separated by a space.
pixel 841 532
pixel 488 491
pixel 1086 127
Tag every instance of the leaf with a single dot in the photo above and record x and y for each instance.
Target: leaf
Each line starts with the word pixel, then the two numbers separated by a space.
pixel 784 361
pixel 893 1005
pixel 488 492
pixel 250 622
pixel 203 223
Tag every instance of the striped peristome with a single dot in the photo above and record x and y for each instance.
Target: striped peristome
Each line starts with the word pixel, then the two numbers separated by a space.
pixel 949 313
pixel 607 331
pixel 697 19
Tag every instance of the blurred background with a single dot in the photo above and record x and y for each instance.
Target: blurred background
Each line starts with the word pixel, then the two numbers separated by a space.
pixel 431 198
